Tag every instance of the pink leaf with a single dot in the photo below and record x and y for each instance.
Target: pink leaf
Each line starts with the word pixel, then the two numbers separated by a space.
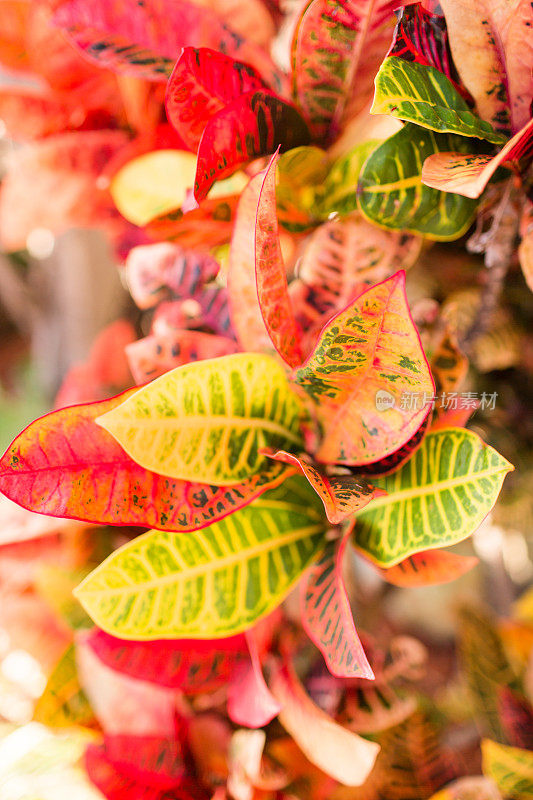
pixel 250 702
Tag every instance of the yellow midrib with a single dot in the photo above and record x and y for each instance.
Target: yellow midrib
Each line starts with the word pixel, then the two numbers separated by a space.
pixel 200 569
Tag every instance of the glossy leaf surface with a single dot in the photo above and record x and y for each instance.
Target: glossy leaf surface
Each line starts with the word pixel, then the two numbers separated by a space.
pixel 271 277
pixel 193 666
pixel 511 768
pixel 423 95
pixel 339 753
pixel 327 616
pixel 439 497
pixel 253 125
pixel 202 83
pixel 391 192
pixel 212 583
pixel 428 567
pixel 469 174
pixel 66 466
pixel 342 495
pixel 207 421
pixel 369 348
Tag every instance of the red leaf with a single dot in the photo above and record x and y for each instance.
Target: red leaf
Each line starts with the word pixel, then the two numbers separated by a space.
pixel 152 760
pixel 67 466
pixel 253 125
pixel 428 567
pixel 193 666
pixel 516 716
pixel 369 353
pixel 156 270
pixel 469 174
pixel 327 616
pixel 250 702
pixel 342 495
pixel 113 784
pixel 202 83
pixel 203 228
pixel 272 287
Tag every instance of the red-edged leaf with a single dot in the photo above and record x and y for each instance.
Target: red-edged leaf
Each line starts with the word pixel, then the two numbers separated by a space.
pixel 345 756
pixel 422 37
pixel 516 715
pixel 193 666
pixel 66 167
pixel 156 270
pixel 337 49
pixel 469 174
pixel 245 311
pixel 207 226
pixel 65 465
pixel 145 39
pixel 342 495
pixel 153 356
pixel 150 760
pixel 327 616
pixel 250 702
pixel 271 277
pixel 428 567
pixel 366 358
pixel 202 83
pixel 253 125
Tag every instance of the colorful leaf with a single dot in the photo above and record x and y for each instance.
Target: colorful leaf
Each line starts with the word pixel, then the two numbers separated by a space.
pixel 151 760
pixel 342 495
pixel 327 616
pixel 203 228
pixel 253 125
pixel 428 567
pixel 271 277
pixel 193 666
pixel 111 782
pixel 475 786
pixel 516 715
pixel 375 707
pixel 213 583
pixel 343 755
pixel 423 95
pixel 250 702
pixel 337 48
pixel 300 187
pixel 202 83
pixel 344 376
pixel 469 174
pixel 208 420
pixel 422 37
pixel 391 192
pixel 63 702
pixel 66 466
pixel 511 769
pixel 449 365
pixel 340 185
pixel 439 497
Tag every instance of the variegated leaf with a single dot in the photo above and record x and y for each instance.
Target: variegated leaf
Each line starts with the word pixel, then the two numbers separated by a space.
pixel 271 277
pixel 253 125
pixel 327 616
pixel 215 582
pixel 66 466
pixel 370 350
pixel 300 188
pixel 342 495
pixel 469 174
pixel 202 83
pixel 511 769
pixel 423 95
pixel 203 228
pixel 340 185
pixel 475 786
pixel 428 567
pixel 439 497
pixel 63 702
pixel 208 421
pixel 391 192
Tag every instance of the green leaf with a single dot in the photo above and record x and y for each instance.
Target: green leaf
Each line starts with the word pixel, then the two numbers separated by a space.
pixel 439 497
pixel 340 186
pixel 423 95
pixel 63 702
pixel 208 421
pixel 511 769
pixel 300 187
pixel 214 582
pixel 391 192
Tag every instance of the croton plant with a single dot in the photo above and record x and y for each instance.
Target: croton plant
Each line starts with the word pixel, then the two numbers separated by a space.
pixel 288 415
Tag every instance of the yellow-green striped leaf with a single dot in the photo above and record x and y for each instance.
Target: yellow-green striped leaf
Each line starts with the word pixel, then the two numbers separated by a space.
pixel 511 769
pixel 63 702
pixel 421 94
pixel 300 187
pixel 340 186
pixel 208 421
pixel 214 582
pixel 439 497
pixel 391 192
